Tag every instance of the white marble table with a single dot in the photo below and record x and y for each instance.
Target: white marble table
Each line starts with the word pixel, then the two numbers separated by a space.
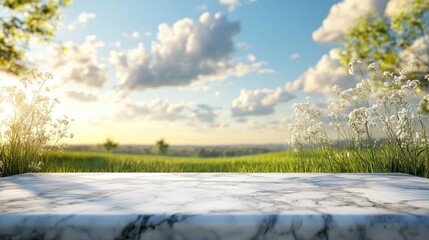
pixel 214 206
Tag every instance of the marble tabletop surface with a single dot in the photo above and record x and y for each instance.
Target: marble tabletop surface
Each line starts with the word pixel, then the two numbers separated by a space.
pixel 214 206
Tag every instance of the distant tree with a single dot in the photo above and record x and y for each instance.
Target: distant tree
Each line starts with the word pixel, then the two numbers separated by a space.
pixel 387 39
pixel 110 145
pixel 161 147
pixel 22 21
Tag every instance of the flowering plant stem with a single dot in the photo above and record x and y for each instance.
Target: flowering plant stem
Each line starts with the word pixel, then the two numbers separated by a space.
pixel 27 128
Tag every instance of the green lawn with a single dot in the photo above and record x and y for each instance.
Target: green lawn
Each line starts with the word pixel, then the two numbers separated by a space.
pixel 311 161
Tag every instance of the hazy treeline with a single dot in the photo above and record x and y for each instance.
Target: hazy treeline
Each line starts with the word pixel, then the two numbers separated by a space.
pixel 183 151
pixel 199 151
pixel 228 152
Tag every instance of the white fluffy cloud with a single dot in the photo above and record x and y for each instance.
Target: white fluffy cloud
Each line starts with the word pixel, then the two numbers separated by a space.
pixel 135 34
pixel 205 115
pixel 157 109
pixel 295 56
pixel 81 96
pixel 395 6
pixel 343 15
pixel 243 45
pixel 163 110
pixel 319 79
pixel 258 102
pixel 186 52
pixel 251 58
pixel 84 17
pixel 232 4
pixel 79 63
pixel 266 71
pixel 281 124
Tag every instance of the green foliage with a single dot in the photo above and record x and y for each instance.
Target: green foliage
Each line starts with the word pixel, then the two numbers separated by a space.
pixel 161 147
pixel 383 38
pixel 27 128
pixel 410 23
pixel 22 21
pixel 370 39
pixel 110 145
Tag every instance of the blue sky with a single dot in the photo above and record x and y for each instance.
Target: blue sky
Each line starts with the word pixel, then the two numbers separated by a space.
pixel 195 72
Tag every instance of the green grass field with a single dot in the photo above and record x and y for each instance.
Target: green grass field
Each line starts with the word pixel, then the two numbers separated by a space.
pixel 311 161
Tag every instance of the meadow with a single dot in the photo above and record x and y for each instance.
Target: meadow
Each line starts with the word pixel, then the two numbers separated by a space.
pixel 382 128
pixel 288 161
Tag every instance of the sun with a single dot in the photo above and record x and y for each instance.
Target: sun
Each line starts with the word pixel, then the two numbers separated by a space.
pixel 6 111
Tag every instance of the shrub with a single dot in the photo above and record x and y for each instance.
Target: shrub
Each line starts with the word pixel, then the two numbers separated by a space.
pixel 110 145
pixel 161 147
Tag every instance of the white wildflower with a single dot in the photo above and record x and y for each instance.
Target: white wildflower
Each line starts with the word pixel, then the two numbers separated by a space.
pixel 353 62
pixel 35 166
pixel 414 62
pixel 405 87
pixel 48 75
pixel 363 119
pixel 387 74
pixel 364 85
pixel 421 140
pixel 336 89
pixel 413 83
pixel 392 107
pixel 357 120
pixel 373 66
